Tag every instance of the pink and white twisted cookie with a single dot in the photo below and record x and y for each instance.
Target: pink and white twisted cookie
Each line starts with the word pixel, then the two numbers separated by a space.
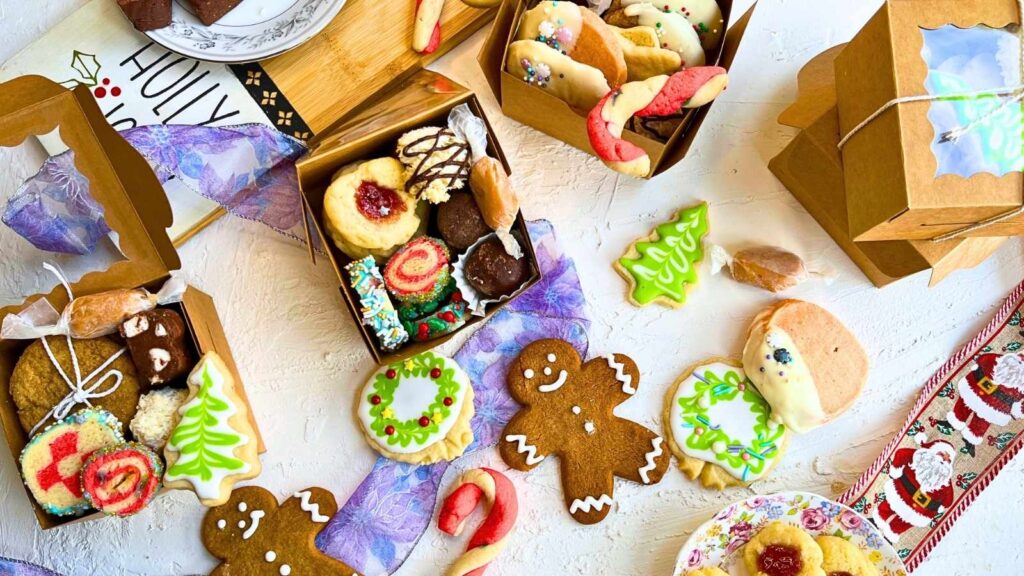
pixel 656 96
pixel 501 507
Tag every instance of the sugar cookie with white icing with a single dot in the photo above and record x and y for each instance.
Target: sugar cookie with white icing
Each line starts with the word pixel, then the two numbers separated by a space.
pixel 674 31
pixel 579 85
pixel 417 410
pixel 805 363
pixel 568 413
pixel 719 426
pixel 704 15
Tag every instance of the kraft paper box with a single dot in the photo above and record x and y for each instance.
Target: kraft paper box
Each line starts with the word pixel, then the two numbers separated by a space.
pixel 902 181
pixel 135 207
pixel 538 109
pixel 811 168
pixel 424 100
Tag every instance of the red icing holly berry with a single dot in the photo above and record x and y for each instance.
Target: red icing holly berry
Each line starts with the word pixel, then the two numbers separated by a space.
pixel 435 373
pixel 106 81
pixel 448 401
pixel 115 91
pixel 375 400
pixel 423 331
pixel 391 374
pixel 389 430
pixel 457 296
pixel 424 421
pixel 448 317
pixel 780 560
pixel 100 92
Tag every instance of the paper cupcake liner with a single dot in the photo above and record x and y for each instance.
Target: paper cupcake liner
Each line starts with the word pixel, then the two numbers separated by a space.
pixel 478 302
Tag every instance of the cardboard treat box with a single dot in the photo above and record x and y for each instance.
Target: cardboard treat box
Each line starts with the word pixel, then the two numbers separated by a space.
pixel 134 207
pixel 897 187
pixel 545 112
pixel 811 168
pixel 424 100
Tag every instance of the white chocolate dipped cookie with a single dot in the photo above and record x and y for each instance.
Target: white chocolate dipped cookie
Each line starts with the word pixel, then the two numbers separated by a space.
pixel 578 33
pixel 644 55
pixel 674 31
pixel 807 365
pixel 579 85
pixel 719 426
pixel 704 15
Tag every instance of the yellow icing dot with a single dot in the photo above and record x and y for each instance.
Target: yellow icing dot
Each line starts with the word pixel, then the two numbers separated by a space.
pixel 437 417
pixel 388 413
pixel 409 364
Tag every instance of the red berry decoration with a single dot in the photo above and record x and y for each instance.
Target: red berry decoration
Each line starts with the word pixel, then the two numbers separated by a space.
pixel 423 331
pixel 375 400
pixel 457 296
pixel 115 91
pixel 435 373
pixel 448 317
pixel 424 421
pixel 391 374
pixel 100 92
pixel 106 81
pixel 448 401
pixel 389 430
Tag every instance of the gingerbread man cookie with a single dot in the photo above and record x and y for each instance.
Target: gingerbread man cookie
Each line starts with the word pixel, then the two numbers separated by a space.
pixel 256 537
pixel 568 412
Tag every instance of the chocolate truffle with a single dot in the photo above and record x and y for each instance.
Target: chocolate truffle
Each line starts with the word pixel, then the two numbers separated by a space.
pixel 147 14
pixel 492 272
pixel 156 340
pixel 460 222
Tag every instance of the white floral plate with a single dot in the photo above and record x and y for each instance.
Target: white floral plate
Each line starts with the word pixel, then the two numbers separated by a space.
pixel 254 30
pixel 715 542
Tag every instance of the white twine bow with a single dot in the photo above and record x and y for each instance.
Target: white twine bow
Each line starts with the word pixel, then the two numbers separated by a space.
pixel 82 389
pixel 1016 95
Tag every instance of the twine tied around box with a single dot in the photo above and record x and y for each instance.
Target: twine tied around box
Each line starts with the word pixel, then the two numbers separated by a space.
pixel 1015 94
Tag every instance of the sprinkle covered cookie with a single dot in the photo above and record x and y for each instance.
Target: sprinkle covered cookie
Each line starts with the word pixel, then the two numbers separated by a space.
pixel 418 410
pixel 719 426
pixel 419 271
pixel 51 463
pixel 568 412
pixel 252 535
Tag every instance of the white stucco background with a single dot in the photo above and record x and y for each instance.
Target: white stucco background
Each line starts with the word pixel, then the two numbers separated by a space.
pixel 302 359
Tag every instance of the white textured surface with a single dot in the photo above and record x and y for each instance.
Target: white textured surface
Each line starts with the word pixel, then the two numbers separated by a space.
pixel 302 358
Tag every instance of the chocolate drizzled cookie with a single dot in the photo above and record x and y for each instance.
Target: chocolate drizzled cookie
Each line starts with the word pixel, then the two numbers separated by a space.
pixel 436 161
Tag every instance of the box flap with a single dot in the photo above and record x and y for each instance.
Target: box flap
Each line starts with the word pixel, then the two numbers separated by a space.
pixel 134 203
pixel 492 54
pixel 816 90
pixel 677 146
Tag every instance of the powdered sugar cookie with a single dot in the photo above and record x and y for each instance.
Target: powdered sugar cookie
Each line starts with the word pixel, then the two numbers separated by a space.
pixel 719 426
pixel 579 85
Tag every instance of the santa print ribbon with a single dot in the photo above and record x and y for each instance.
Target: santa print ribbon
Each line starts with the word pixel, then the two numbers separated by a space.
pixel 967 424
pixel 377 529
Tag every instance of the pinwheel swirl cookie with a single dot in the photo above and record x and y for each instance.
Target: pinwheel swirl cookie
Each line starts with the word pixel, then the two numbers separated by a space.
pixel 417 410
pixel 719 426
pixel 568 413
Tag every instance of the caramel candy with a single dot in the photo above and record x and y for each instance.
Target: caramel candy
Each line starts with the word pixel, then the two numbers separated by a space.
pixel 100 314
pixel 768 267
pixel 493 192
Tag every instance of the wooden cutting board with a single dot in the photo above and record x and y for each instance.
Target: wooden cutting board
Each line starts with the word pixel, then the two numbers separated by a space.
pixel 364 50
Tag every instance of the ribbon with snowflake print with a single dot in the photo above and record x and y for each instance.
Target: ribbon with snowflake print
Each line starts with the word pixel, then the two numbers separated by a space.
pixel 967 424
pixel 377 529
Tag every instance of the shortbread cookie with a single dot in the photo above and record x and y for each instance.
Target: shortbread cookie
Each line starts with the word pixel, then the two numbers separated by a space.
pixel 214 444
pixel 662 266
pixel 807 365
pixel 568 413
pixel 704 15
pixel 719 427
pixel 656 96
pixel 121 480
pixel 644 55
pixel 579 85
pixel 367 211
pixel 253 536
pixel 781 548
pixel 843 558
pixel 578 33
pixel 417 410
pixel 45 380
pixel 51 463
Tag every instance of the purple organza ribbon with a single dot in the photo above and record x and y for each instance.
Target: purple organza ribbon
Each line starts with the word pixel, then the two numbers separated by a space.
pixel 377 529
pixel 10 567
pixel 247 169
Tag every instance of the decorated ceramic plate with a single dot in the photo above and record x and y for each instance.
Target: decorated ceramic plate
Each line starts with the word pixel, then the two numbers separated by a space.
pixel 716 542
pixel 254 30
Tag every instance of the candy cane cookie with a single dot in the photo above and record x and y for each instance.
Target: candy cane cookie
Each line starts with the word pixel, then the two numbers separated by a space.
pixel 656 96
pixel 426 31
pixel 501 507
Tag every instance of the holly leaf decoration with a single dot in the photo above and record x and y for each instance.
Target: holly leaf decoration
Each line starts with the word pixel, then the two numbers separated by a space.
pixel 1002 440
pixel 661 267
pixel 87 66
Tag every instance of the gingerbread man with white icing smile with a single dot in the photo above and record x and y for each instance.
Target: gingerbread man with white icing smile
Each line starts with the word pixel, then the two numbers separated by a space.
pixel 568 413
